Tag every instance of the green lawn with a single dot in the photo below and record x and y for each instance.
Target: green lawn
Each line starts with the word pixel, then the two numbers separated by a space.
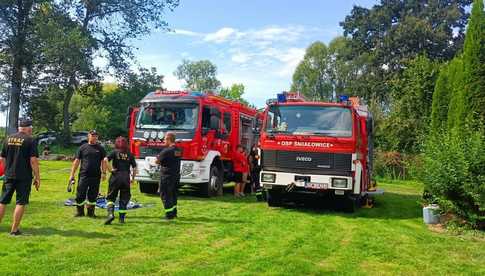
pixel 234 236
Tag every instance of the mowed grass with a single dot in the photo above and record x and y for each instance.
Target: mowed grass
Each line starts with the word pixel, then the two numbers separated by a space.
pixel 233 236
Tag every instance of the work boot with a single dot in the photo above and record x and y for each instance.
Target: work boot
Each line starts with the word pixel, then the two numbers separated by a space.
pixel 91 212
pixel 111 215
pixel 122 217
pixel 80 211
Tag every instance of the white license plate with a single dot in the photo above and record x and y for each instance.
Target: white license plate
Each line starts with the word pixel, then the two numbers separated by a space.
pixel 316 186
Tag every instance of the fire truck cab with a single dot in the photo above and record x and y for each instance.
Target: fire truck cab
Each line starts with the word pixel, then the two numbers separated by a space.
pixel 208 129
pixel 317 148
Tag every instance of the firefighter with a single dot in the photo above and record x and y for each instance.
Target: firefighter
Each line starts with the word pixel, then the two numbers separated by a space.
pixel 169 160
pixel 93 170
pixel 255 170
pixel 241 169
pixel 119 181
pixel 20 157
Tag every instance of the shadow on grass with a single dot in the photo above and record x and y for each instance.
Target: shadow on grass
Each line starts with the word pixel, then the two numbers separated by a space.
pixel 49 231
pixel 387 206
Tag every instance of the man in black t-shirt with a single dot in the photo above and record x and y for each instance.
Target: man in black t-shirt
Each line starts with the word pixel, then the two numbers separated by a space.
pixel 93 169
pixel 20 157
pixel 169 160
pixel 119 181
pixel 255 170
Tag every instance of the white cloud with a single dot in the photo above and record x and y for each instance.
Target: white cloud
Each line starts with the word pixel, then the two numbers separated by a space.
pixel 240 57
pixel 171 82
pixel 221 35
pixel 291 58
pixel 184 32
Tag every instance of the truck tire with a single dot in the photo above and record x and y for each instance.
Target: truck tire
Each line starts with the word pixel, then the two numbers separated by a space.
pixel 214 186
pixel 148 188
pixel 274 198
pixel 351 204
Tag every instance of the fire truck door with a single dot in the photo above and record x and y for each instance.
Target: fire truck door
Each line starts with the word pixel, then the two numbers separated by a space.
pixel 226 134
pixel 246 136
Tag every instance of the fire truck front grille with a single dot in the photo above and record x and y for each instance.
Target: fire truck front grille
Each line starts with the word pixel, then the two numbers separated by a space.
pixel 149 151
pixel 307 162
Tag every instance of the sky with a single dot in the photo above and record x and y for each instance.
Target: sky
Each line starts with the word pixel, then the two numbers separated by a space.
pixel 257 43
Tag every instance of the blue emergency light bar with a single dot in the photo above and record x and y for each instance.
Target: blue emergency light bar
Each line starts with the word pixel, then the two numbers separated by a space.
pixel 281 97
pixel 197 94
pixel 343 98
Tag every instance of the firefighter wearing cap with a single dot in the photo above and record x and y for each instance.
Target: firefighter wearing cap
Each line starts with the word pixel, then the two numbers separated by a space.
pixel 119 180
pixel 169 160
pixel 19 156
pixel 90 157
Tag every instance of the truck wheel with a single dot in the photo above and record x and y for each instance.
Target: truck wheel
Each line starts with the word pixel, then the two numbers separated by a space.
pixel 274 198
pixel 214 186
pixel 148 187
pixel 351 204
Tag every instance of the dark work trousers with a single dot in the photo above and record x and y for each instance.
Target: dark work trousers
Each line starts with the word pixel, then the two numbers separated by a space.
pixel 256 183
pixel 168 192
pixel 119 182
pixel 255 178
pixel 87 186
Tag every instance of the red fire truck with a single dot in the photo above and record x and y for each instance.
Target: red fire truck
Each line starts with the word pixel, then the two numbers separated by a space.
pixel 208 129
pixel 317 148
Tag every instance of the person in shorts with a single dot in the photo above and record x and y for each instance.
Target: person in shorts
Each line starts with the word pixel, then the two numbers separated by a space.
pixel 20 157
pixel 241 169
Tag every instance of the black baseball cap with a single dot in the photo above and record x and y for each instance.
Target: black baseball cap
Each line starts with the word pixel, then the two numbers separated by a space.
pixel 93 132
pixel 25 122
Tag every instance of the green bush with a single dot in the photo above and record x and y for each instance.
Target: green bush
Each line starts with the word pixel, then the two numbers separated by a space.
pixel 396 165
pixel 454 173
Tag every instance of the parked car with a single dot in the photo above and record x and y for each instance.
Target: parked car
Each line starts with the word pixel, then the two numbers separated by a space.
pixel 79 137
pixel 46 138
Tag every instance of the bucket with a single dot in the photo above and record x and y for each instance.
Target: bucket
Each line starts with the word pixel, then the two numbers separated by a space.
pixel 431 214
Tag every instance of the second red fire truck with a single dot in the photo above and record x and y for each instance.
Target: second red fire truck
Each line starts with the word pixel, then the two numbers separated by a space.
pixel 208 129
pixel 318 148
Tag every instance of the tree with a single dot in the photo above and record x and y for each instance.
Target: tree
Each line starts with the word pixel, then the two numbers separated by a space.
pixel 312 75
pixel 474 65
pixel 116 100
pixel 112 25
pixel 456 111
pixel 407 125
pixel 16 49
pixel 441 101
pixel 66 58
pixel 235 93
pixel 198 75
pixel 392 33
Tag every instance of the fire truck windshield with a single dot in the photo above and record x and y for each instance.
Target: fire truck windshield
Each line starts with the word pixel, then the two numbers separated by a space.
pixel 310 120
pixel 167 116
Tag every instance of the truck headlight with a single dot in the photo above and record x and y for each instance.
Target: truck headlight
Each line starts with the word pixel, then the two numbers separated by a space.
pixel 187 168
pixel 339 183
pixel 268 177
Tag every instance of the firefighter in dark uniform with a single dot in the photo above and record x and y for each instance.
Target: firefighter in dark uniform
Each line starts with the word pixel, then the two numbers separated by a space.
pixel 93 169
pixel 169 161
pixel 20 157
pixel 119 181
pixel 255 170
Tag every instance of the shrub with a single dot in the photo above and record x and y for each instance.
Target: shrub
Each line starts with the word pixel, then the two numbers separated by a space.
pixel 396 165
pixel 454 173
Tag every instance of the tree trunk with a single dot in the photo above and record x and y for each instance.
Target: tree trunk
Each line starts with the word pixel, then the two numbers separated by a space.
pixel 66 132
pixel 17 51
pixel 16 88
